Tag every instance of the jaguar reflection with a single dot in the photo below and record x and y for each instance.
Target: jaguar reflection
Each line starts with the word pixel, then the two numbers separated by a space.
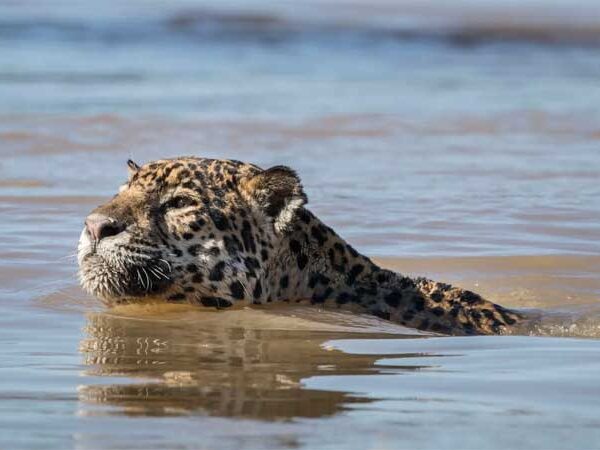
pixel 204 367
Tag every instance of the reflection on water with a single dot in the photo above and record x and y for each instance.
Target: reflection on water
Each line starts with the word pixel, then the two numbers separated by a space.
pixel 226 381
pixel 206 367
pixel 256 365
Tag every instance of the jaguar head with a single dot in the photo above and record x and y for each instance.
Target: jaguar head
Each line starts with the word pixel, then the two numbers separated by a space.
pixel 188 230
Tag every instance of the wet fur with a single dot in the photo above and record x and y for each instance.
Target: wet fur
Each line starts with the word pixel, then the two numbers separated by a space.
pixel 220 233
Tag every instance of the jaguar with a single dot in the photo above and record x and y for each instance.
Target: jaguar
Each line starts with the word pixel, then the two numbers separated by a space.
pixel 224 233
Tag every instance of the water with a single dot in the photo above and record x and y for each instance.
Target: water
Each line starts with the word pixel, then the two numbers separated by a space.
pixel 459 144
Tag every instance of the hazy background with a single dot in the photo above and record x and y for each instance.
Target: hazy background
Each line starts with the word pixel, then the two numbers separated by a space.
pixel 418 127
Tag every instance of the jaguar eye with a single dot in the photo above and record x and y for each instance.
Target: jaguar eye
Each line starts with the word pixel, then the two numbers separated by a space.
pixel 178 203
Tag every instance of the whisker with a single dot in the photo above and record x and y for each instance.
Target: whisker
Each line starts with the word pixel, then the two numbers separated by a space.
pixel 147 279
pixel 159 273
pixel 71 256
pixel 140 278
pixel 167 263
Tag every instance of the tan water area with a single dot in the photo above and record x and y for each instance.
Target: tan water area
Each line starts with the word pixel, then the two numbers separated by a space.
pixel 451 143
pixel 285 377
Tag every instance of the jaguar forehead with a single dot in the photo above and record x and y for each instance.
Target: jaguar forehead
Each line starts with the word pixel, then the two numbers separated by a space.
pixel 193 172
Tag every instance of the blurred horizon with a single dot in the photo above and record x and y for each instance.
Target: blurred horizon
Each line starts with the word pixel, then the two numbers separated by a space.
pixel 464 21
pixel 386 114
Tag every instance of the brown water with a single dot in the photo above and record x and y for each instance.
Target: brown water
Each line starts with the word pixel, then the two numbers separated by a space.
pixel 442 143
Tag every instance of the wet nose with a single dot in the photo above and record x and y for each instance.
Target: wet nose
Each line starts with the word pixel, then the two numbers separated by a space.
pixel 100 226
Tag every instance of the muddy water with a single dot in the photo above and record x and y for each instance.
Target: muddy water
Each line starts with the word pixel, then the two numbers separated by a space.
pixel 442 144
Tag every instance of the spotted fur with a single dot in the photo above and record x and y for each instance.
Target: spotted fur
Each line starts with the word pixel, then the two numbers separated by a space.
pixel 220 233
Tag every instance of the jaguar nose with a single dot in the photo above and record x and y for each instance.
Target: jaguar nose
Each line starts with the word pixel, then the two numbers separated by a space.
pixel 100 226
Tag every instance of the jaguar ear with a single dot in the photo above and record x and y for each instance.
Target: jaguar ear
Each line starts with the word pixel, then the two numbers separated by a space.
pixel 132 167
pixel 278 193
